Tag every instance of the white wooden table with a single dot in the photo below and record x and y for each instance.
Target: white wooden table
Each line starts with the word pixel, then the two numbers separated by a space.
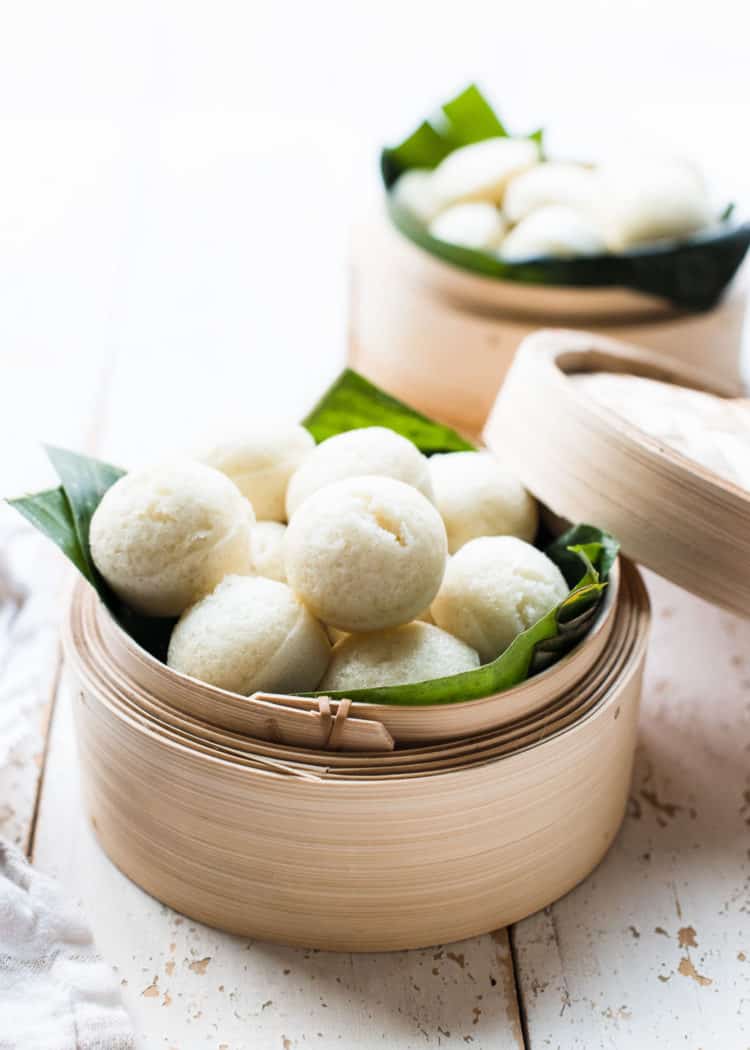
pixel 143 337
pixel 653 949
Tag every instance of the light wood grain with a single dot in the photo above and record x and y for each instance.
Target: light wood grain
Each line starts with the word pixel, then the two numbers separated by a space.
pixel 654 948
pixel 31 610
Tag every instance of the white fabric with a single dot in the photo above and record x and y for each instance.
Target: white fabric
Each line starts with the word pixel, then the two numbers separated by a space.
pixel 55 991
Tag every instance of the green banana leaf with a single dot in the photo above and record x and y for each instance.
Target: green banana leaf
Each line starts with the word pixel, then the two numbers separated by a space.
pixel 352 402
pixel 585 554
pixel 50 512
pixel 463 120
pixel 692 273
pixel 84 482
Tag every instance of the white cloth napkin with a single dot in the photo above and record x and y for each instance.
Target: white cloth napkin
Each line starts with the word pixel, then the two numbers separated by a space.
pixel 55 991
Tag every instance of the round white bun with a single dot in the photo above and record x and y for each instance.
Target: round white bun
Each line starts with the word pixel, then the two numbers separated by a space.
pixel 494 589
pixel 650 200
pixel 481 172
pixel 267 550
pixel 370 450
pixel 415 652
pixel 554 182
pixel 260 463
pixel 553 231
pixel 163 537
pixel 413 191
pixel 478 496
pixel 366 553
pixel 250 634
pixel 476 224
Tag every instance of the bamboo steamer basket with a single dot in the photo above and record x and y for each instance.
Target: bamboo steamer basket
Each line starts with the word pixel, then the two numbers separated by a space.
pixel 349 826
pixel 669 512
pixel 443 339
pixel 350 851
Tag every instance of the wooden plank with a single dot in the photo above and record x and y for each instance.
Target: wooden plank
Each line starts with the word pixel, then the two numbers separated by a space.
pixel 187 985
pixel 654 948
pixel 32 597
pixel 29 662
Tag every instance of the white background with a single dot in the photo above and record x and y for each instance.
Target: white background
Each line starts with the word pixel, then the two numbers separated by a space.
pixel 177 180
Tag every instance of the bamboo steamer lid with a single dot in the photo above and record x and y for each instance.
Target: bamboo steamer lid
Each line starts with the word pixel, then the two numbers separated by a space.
pixel 304 722
pixel 587 463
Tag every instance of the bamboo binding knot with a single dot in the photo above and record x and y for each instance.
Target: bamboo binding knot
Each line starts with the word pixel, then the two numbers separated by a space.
pixel 333 722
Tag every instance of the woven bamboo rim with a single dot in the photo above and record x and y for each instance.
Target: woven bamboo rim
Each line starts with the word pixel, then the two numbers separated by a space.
pixel 669 512
pixel 89 660
pixel 299 845
pixel 328 725
pixel 94 665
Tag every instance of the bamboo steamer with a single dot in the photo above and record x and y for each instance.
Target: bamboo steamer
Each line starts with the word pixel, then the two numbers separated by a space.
pixel 358 827
pixel 669 512
pixel 443 339
pixel 359 851
pixel 302 722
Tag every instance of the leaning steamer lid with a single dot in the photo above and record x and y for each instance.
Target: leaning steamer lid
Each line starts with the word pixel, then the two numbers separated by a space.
pixel 585 461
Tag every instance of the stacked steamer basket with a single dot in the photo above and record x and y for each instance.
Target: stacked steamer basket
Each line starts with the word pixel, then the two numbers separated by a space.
pixel 444 338
pixel 447 277
pixel 353 826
